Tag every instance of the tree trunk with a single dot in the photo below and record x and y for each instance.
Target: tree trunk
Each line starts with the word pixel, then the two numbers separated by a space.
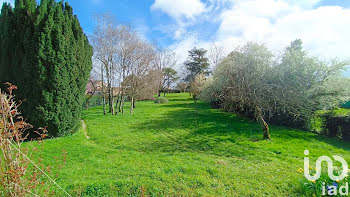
pixel 122 105
pixel 104 104
pixel 116 104
pixel 112 103
pixel 132 105
pixel 103 92
pixel 264 125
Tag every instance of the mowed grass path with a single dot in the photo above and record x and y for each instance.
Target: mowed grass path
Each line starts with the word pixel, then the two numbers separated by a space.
pixel 184 149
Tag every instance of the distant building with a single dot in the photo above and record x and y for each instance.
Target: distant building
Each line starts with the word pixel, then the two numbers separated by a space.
pixel 94 87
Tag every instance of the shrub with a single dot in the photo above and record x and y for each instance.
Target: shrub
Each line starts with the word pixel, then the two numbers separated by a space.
pixel 173 91
pixel 161 100
pixel 252 79
pixel 346 105
pixel 19 176
pixel 336 126
pixel 285 119
pixel 94 101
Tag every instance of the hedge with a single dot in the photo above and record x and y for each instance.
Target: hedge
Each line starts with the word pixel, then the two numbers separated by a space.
pixel 337 126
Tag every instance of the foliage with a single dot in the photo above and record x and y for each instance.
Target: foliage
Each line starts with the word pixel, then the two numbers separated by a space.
pixel 182 86
pixel 286 91
pixel 95 100
pixel 346 105
pixel 19 176
pixel 164 62
pixel 49 59
pixel 318 118
pixel 161 100
pixel 242 82
pixel 197 63
pixel 169 77
pixel 317 188
pixel 175 91
pixel 160 150
pixel 336 126
pixel 197 85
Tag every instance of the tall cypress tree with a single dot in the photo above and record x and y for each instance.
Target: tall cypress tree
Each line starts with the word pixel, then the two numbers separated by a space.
pixel 6 39
pixel 51 62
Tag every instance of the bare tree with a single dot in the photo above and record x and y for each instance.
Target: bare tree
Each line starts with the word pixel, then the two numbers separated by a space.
pixel 126 59
pixel 216 54
pixel 164 59
pixel 183 86
pixel 104 41
pixel 128 46
pixel 140 69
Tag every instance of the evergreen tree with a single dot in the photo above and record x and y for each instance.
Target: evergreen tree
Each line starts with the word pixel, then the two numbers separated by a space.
pixel 196 64
pixel 6 39
pixel 47 55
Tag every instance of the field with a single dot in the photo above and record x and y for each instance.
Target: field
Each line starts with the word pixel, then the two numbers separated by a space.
pixel 184 149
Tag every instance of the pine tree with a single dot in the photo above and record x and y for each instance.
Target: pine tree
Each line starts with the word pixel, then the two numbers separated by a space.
pixel 196 64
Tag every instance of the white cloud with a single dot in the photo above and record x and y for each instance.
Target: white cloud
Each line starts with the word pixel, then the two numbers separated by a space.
pixel 184 12
pixel 324 30
pixel 180 8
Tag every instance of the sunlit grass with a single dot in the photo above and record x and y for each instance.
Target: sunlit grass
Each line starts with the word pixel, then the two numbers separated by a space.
pixel 184 149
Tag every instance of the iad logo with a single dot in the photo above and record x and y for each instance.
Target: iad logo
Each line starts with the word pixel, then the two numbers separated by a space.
pixel 330 167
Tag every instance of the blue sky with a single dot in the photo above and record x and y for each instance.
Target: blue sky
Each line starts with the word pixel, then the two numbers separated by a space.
pixel 323 25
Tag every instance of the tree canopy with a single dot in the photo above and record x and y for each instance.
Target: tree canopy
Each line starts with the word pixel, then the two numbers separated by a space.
pixel 197 63
pixel 253 81
pixel 45 52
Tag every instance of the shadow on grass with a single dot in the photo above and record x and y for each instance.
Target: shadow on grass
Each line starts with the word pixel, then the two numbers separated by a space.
pixel 195 127
pixel 189 127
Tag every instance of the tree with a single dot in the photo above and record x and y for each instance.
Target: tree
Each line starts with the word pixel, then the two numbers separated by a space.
pixel 163 61
pixel 170 77
pixel 183 86
pixel 127 43
pixel 252 81
pixel 105 42
pixel 6 40
pixel 196 86
pixel 50 62
pixel 139 69
pixel 93 84
pixel 216 54
pixel 306 83
pixel 197 63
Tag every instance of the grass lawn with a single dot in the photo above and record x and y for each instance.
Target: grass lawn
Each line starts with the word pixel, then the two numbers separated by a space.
pixel 184 149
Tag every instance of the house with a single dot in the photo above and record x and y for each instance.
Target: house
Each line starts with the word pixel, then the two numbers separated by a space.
pixel 94 87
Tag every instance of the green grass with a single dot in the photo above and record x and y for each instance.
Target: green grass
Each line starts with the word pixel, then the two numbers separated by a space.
pixel 184 149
